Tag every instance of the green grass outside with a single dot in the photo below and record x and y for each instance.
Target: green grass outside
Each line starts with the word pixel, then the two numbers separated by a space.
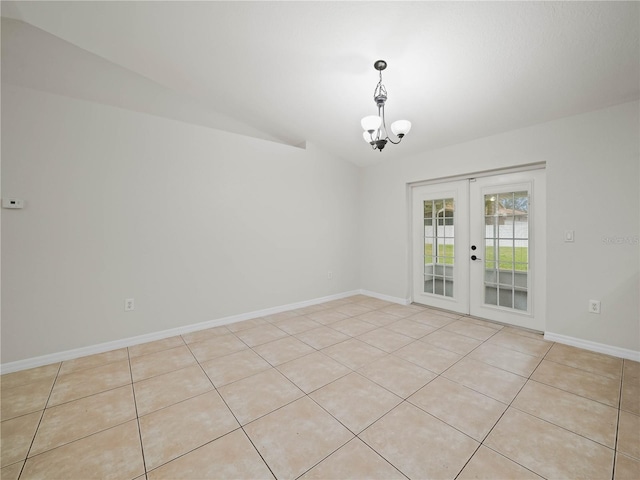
pixel 506 257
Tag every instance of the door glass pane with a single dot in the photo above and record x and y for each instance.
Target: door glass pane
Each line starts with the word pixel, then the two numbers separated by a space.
pixel 506 249
pixel 439 246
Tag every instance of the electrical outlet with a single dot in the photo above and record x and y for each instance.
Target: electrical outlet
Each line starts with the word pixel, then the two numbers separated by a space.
pixel 330 275
pixel 594 306
pixel 129 305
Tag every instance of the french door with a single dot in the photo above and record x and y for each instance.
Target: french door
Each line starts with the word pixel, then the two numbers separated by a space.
pixel 478 247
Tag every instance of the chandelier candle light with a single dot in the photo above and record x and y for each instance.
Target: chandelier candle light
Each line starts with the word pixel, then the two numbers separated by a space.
pixel 375 128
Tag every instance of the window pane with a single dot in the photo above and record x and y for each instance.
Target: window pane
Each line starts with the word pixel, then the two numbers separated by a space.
pixel 439 245
pixel 506 249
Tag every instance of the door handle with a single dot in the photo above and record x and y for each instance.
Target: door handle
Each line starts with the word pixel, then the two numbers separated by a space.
pixel 473 257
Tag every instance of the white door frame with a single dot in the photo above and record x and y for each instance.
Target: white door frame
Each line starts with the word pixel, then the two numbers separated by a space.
pixel 540 287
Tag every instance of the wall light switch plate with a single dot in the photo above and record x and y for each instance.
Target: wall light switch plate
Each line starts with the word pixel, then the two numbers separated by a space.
pixel 568 236
pixel 12 203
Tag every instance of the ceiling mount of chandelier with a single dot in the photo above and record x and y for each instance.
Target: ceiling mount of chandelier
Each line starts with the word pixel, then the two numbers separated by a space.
pixel 375 128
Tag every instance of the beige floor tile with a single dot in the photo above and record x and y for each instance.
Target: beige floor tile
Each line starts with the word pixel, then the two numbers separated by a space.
pixel 283 350
pixel 11 472
pixel 313 371
pixel 262 393
pixel 260 335
pixel 452 341
pixel 521 343
pixel 353 353
pixel 230 368
pixel 444 313
pixel 156 346
pixel 311 309
pixel 297 324
pixel 355 461
pixel 385 339
pixel 216 347
pixel 549 450
pixel 246 324
pixel 232 456
pixel 360 298
pixel 327 317
pixel 353 309
pixel 470 329
pixel 23 399
pixel 280 316
pixel 412 329
pixel 629 435
pixel 378 318
pixel 16 437
pixel 16 379
pixel 185 426
pixel 397 375
pixel 91 361
pixel 596 387
pixel 509 360
pixel 401 311
pixel 585 417
pixel 71 421
pixel 165 361
pixel 433 319
pixel 627 468
pixel 355 401
pixel 353 326
pixel 585 360
pixel 525 333
pixel 464 409
pixel 406 433
pixel 494 382
pixel 374 303
pixel 164 390
pixel 428 356
pixel 489 465
pixel 322 337
pixel 630 400
pixel 111 454
pixel 206 334
pixel 90 381
pixel 483 323
pixel 339 302
pixel 631 370
pixel 296 437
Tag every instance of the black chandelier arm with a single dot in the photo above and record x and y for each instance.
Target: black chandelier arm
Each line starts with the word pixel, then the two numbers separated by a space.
pixel 384 126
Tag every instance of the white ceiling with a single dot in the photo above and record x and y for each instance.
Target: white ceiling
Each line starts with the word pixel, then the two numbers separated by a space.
pixel 303 71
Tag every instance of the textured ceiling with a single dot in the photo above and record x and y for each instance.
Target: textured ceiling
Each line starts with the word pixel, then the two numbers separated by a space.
pixel 298 72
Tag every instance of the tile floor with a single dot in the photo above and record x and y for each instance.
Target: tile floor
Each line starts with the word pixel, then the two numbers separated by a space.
pixel 353 388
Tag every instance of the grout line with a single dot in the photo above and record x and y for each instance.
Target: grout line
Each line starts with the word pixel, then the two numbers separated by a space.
pixel 135 404
pixel 615 443
pixel 33 439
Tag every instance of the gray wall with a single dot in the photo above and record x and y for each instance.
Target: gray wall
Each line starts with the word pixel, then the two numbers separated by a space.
pixel 194 223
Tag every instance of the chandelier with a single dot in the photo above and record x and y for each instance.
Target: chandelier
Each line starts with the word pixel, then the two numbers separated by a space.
pixel 375 128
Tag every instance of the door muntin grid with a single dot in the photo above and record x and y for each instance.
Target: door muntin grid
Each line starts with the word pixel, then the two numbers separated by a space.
pixel 506 275
pixel 439 246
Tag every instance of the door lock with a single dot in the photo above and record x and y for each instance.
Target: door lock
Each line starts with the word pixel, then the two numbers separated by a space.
pixel 473 257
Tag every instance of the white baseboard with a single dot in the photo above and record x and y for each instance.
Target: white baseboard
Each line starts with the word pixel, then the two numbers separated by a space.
pixel 150 337
pixel 593 346
pixel 388 298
